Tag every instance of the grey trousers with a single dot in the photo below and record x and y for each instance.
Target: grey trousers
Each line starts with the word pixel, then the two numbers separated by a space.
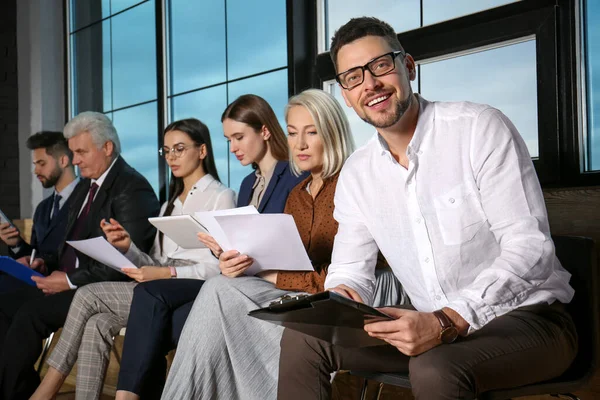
pixel 527 345
pixel 223 353
pixel 97 314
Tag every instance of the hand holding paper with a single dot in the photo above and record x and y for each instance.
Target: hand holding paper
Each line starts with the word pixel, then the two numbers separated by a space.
pixel 100 250
pixel 271 240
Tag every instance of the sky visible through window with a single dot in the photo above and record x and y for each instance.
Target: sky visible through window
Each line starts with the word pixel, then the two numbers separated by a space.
pixel 212 42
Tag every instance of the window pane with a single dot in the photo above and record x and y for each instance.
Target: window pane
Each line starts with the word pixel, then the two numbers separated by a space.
pixel 435 11
pixel 272 87
pixel 504 78
pixel 406 14
pixel 256 36
pixel 119 5
pixel 361 131
pixel 134 56
pixel 86 12
pixel 207 105
pixel 90 69
pixel 196 44
pixel 592 34
pixel 137 129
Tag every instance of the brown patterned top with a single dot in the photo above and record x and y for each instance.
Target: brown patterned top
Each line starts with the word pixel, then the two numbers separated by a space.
pixel 314 219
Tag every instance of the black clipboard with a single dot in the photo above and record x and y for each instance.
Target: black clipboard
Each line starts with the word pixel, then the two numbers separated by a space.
pixel 327 316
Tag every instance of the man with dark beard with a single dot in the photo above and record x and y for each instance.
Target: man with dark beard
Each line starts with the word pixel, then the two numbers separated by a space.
pixel 447 192
pixel 53 167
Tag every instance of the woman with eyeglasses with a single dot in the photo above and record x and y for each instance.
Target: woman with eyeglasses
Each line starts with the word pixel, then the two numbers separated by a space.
pixel 99 311
pixel 159 310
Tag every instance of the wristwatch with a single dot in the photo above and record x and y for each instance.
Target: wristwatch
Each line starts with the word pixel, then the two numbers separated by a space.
pixel 449 333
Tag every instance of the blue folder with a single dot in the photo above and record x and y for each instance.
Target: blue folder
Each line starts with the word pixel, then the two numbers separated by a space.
pixel 18 270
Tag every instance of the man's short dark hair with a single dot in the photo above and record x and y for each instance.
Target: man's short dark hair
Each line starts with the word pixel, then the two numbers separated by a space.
pixel 358 28
pixel 54 142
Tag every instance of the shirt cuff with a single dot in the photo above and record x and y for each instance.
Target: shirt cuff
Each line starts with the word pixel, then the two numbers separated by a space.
pixel 70 284
pixel 477 317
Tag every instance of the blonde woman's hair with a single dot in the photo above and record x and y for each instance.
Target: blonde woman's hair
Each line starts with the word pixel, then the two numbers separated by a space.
pixel 331 124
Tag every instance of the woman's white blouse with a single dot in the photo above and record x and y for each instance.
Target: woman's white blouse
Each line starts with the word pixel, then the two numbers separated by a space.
pixel 207 194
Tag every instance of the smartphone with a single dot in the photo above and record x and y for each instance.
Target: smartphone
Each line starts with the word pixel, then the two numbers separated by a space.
pixel 4 218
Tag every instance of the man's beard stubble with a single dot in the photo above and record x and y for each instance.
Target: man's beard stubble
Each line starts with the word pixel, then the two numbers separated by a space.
pixel 53 178
pixel 392 119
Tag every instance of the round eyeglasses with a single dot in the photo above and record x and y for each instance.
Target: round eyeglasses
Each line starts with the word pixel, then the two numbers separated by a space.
pixel 176 151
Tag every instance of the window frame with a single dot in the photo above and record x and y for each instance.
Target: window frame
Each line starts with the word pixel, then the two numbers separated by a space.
pixel 560 161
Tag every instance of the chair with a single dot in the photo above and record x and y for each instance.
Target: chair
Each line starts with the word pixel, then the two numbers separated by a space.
pixel 578 256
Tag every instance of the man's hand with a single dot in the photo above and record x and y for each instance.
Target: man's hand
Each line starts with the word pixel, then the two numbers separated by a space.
pixel 412 332
pixel 211 243
pixel 347 292
pixel 38 264
pixel 55 283
pixel 9 234
pixel 116 235
pixel 147 273
pixel 232 263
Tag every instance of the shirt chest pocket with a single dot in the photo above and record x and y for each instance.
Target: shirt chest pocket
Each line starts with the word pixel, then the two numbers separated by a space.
pixel 459 215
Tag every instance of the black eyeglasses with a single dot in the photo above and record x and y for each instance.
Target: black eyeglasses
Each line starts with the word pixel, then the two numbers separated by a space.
pixel 377 67
pixel 176 151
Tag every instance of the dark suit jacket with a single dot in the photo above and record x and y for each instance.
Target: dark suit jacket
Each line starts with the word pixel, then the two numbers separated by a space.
pixel 281 184
pixel 46 235
pixel 126 196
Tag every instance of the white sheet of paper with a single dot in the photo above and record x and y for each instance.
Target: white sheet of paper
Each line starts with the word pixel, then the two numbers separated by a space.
pixel 100 250
pixel 182 229
pixel 207 218
pixel 272 240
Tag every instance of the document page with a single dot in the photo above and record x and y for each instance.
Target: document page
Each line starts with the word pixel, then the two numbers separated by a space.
pixel 182 229
pixel 272 240
pixel 207 219
pixel 100 250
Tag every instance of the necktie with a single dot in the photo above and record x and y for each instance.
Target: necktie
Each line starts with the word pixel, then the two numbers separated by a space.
pixel 56 206
pixel 67 260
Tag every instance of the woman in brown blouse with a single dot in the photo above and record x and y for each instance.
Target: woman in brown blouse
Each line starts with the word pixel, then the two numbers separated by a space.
pixel 222 352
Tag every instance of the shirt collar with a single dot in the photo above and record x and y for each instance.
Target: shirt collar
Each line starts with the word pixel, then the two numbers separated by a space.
pixel 102 178
pixel 67 190
pixel 203 182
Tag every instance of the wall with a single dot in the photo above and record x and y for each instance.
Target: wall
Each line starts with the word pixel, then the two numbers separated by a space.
pixel 9 153
pixel 41 79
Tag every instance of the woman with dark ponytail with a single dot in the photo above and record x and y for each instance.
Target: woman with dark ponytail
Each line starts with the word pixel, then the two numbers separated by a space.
pixel 99 311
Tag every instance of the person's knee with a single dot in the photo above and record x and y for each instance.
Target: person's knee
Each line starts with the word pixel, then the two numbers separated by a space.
pixel 99 325
pixel 434 377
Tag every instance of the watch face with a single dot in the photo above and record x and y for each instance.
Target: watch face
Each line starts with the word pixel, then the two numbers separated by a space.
pixel 449 335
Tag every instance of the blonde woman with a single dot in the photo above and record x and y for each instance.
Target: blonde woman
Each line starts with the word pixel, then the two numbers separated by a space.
pixel 222 352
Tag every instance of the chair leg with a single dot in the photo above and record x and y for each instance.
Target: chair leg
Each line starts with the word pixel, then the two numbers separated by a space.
pixel 116 353
pixel 363 393
pixel 45 350
pixel 379 389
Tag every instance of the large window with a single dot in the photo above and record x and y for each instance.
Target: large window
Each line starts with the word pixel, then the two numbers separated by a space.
pixel 504 53
pixel 113 70
pixel 241 48
pixel 202 57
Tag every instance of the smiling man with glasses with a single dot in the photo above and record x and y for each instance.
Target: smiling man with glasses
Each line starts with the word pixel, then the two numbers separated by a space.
pixel 448 193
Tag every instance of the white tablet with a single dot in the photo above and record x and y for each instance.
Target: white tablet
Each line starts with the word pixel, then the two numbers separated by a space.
pixel 181 229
